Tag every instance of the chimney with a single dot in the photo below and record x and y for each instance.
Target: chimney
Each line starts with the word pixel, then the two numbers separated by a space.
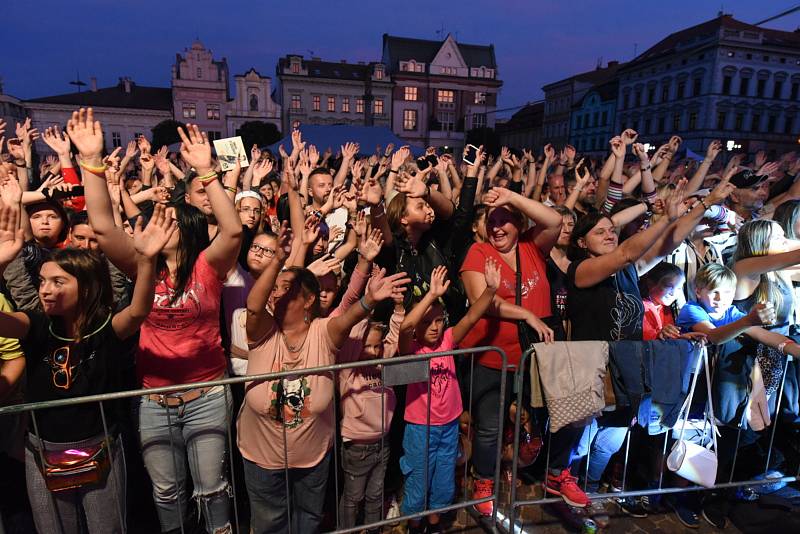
pixel 127 83
pixel 612 64
pixel 344 61
pixel 93 84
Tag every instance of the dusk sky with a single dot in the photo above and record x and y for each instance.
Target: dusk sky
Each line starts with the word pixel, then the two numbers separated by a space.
pixel 44 42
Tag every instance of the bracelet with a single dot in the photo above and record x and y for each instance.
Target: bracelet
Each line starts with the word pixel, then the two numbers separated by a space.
pixel 392 171
pixel 20 164
pixel 230 189
pixel 703 202
pixel 97 171
pixel 364 304
pixel 643 169
pixel 782 346
pixel 206 176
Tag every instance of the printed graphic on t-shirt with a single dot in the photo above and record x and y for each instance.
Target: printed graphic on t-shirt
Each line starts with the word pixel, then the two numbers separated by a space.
pixel 65 363
pixel 371 377
pixel 526 286
pixel 291 401
pixel 177 315
pixel 625 314
pixel 440 378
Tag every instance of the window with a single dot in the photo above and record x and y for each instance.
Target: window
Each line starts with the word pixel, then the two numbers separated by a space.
pixel 479 120
pixel 359 105
pixel 137 135
pixel 446 119
pixel 772 120
pixel 595 116
pixel 444 96
pixel 738 122
pixel 605 118
pixel 409 119
pixel 793 94
pixel 345 104
pixel 410 94
pixel 676 122
pixel 722 117
pixel 189 111
pixel 744 86
pixel 377 106
pixel 331 103
pixel 761 86
pixel 199 72
pixel 698 87
pixel 295 67
pixel 212 112
pixel 681 89
pixel 637 99
pixel 755 125
pixel 625 101
pixel 116 140
pixel 777 90
pixel 692 120
pixel 378 73
pixel 296 102
pixel 665 92
pixel 253 103
pixel 787 125
pixel 315 103
pixel 480 98
pixel 449 71
pixel 651 95
pixel 647 125
pixel 661 121
pixel 212 135
pixel 726 85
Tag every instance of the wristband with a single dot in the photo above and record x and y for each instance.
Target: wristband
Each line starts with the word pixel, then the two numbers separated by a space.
pixel 643 169
pixel 392 171
pixel 97 171
pixel 364 304
pixel 231 189
pixel 703 202
pixel 782 346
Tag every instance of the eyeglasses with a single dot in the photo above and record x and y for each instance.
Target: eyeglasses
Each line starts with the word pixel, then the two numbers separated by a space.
pixel 254 211
pixel 262 251
pixel 62 371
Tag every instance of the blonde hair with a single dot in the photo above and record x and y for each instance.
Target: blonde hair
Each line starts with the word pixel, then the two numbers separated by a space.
pixel 714 275
pixel 754 240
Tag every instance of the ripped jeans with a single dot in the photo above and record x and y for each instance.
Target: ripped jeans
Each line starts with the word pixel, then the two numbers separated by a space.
pixel 193 434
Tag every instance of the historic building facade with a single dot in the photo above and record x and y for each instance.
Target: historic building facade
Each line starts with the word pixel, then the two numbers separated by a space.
pixel 253 102
pixel 442 89
pixel 593 119
pixel 722 79
pixel 313 91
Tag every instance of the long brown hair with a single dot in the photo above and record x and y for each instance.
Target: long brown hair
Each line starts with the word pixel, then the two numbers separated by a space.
pixel 754 240
pixel 95 296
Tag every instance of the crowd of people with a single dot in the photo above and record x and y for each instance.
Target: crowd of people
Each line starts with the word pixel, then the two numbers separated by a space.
pixel 141 267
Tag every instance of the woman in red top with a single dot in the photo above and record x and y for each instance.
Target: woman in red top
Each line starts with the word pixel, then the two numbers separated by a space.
pixel 180 341
pixel 504 228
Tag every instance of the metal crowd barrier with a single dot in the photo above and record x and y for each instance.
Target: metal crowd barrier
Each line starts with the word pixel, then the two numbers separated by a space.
pixel 464 502
pixel 511 524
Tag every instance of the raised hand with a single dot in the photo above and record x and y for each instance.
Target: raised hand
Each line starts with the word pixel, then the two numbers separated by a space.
pixel 760 160
pixel 297 141
pixel 721 192
pixel 370 244
pixel 491 272
pixel 641 153
pixel 310 230
pixel 675 143
pixel 549 152
pixel 255 153
pixel 768 169
pixel 349 150
pixel 51 182
pixel 284 246
pixel 440 283
pixel 261 169
pixel 12 237
pixel 412 186
pixel 400 157
pixel 195 148
pixel 151 240
pixel 498 196
pixel 713 150
pixel 56 140
pixel 371 192
pixel 143 144
pixel 618 147
pixel 386 287
pixel 569 152
pixel 324 265
pixel 130 150
pixel 313 156
pixel 282 152
pixel 87 135
pixel 673 205
pixel 762 314
pixel 10 190
pixel 629 136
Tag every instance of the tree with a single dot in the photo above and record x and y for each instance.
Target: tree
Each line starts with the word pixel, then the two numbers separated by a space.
pixel 165 133
pixel 486 137
pixel 258 133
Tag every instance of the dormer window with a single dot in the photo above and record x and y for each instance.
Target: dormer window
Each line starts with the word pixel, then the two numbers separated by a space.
pixel 294 66
pixel 378 72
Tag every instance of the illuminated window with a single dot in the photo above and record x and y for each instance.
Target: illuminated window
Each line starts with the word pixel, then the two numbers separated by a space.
pixel 409 119
pixel 480 98
pixel 212 111
pixel 359 105
pixel 345 104
pixel 315 103
pixel 410 93
pixel 444 96
pixel 189 111
pixel 296 102
pixel 331 103
pixel 377 106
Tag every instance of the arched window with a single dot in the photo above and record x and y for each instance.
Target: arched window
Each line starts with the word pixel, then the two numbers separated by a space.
pixel 253 103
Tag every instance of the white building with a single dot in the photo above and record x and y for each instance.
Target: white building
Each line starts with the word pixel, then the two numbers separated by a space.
pixel 253 102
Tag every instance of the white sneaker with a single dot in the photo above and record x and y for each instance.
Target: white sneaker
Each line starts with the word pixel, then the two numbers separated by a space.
pixel 394 509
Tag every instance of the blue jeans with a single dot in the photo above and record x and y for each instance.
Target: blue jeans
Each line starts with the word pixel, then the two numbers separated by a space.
pixel 267 491
pixel 603 442
pixel 441 458
pixel 193 434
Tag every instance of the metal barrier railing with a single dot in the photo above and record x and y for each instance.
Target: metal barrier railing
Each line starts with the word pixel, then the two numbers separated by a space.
pixel 382 364
pixel 512 525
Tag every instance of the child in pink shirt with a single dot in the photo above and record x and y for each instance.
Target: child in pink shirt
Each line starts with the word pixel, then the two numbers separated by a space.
pixel 423 332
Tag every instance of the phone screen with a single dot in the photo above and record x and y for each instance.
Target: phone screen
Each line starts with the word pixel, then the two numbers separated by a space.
pixel 423 163
pixel 472 153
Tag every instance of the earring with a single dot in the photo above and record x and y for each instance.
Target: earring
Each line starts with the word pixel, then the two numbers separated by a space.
pixel 305 318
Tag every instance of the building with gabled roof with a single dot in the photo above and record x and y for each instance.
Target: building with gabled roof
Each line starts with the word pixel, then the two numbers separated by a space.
pixel 441 89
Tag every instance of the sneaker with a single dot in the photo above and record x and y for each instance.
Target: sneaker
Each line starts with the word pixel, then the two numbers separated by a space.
pixel 393 511
pixel 565 486
pixel 685 515
pixel 631 506
pixel 597 511
pixel 715 511
pixel 482 488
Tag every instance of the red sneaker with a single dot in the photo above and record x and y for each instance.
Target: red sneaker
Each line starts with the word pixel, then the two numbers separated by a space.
pixel 482 488
pixel 565 485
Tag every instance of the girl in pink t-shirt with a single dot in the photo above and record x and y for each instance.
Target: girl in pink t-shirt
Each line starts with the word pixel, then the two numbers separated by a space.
pixel 423 332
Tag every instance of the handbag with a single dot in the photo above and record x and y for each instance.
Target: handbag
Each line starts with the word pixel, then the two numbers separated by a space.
pixel 689 460
pixel 74 467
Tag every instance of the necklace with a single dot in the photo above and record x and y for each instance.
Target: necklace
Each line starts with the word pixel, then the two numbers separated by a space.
pixel 294 348
pixel 71 339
